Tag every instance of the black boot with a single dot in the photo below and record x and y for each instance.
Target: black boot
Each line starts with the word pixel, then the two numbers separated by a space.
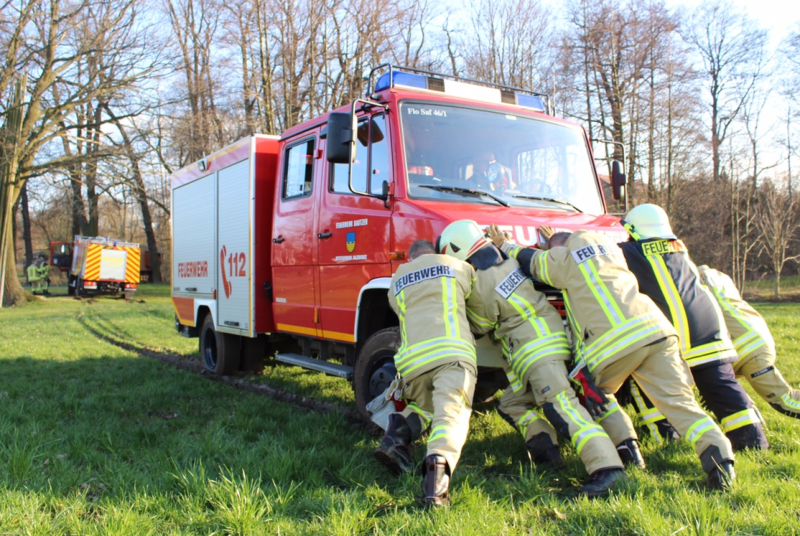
pixel 630 454
pixel 544 452
pixel 393 450
pixel 549 459
pixel 601 482
pixel 722 476
pixel 435 481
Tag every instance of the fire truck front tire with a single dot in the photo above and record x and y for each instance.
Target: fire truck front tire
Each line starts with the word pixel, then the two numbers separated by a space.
pixel 220 351
pixel 375 369
pixel 71 283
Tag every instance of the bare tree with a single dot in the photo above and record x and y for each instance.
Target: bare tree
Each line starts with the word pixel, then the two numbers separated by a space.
pixel 74 54
pixel 777 225
pixel 732 50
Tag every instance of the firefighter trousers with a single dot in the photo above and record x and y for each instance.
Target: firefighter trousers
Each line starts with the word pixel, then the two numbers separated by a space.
pixel 547 387
pixel 663 375
pixel 442 397
pixel 724 397
pixel 766 380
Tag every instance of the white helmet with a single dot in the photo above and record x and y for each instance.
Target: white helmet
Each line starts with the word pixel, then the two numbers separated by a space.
pixel 648 221
pixel 461 239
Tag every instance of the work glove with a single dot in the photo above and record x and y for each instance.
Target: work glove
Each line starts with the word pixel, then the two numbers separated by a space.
pixel 497 236
pixel 545 233
pixel 589 395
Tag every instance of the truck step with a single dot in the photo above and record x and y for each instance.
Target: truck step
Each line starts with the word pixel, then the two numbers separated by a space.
pixel 331 369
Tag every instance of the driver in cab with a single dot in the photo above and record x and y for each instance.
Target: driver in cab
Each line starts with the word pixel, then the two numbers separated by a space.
pixel 489 174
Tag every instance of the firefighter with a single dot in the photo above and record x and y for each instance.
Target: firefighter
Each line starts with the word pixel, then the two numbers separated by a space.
pixel 437 362
pixel 44 274
pixel 618 332
pixel 35 274
pixel 505 303
pixel 754 344
pixel 667 275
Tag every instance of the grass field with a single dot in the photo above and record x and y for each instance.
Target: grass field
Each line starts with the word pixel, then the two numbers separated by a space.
pixel 97 439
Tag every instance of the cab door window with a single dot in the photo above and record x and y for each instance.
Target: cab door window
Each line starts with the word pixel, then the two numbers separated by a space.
pixel 298 175
pixel 372 163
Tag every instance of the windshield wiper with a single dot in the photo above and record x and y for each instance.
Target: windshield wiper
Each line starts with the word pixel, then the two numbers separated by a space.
pixel 464 189
pixel 550 199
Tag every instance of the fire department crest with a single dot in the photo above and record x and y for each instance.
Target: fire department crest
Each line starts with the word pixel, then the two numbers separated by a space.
pixel 351 241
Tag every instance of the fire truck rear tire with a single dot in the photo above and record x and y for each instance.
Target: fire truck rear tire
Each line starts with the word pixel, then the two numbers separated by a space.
pixel 220 351
pixel 375 369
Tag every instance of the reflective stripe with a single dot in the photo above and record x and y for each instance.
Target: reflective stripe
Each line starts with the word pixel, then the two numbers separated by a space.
pixel 528 312
pixel 401 304
pixel 544 274
pixel 417 355
pixel 673 298
pixel 480 321
pixel 601 294
pixel 740 419
pixel 532 352
pixel 424 415
pixel 620 338
pixel 587 430
pixel 513 381
pixel 791 402
pixel 745 350
pixel 712 351
pixel 642 408
pixel 529 417
pixel 436 433
pixel 698 429
pixel 613 407
pixel 753 339
pixel 450 307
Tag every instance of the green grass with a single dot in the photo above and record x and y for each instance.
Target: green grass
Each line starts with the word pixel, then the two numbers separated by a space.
pixel 95 439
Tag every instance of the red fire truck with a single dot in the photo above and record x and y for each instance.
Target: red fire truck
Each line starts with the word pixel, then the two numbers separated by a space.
pixel 285 246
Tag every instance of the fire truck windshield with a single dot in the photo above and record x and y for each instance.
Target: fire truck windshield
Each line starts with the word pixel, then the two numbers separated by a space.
pixel 454 154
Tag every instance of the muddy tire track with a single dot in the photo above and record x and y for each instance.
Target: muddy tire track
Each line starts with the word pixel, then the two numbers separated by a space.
pixel 353 418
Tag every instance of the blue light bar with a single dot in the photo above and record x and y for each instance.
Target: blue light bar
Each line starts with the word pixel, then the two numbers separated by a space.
pixel 530 101
pixel 403 79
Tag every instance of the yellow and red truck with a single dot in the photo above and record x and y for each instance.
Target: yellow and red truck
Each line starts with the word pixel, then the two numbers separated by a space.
pixel 97 265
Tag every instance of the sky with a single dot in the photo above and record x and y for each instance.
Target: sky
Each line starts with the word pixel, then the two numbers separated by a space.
pixel 778 16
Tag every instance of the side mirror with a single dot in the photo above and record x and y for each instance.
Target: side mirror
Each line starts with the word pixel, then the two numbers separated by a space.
pixel 617 179
pixel 341 147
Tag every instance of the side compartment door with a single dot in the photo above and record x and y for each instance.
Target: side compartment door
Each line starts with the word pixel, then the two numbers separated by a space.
pixel 356 229
pixel 194 234
pixel 294 240
pixel 233 247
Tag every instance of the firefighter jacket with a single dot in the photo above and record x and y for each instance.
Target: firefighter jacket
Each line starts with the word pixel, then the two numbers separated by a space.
pixel 748 329
pixel 666 274
pixel 608 316
pixel 33 273
pixel 429 296
pixel 529 329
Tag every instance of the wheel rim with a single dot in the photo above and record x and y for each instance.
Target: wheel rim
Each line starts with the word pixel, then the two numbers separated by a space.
pixel 210 349
pixel 381 377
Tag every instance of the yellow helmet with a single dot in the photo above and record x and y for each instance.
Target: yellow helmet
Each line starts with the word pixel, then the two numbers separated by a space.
pixel 461 239
pixel 648 221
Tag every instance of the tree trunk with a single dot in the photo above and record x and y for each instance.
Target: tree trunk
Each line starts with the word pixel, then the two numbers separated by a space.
pixel 13 292
pixel 141 196
pixel 26 225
